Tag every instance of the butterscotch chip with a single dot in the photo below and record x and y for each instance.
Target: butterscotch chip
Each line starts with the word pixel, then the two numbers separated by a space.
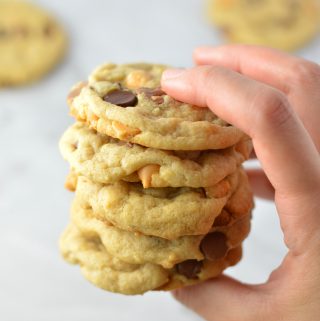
pixel 137 79
pixel 122 131
pixel 145 174
pixel 71 181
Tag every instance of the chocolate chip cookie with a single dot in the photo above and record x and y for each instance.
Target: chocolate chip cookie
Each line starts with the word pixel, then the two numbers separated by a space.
pixel 112 274
pixel 282 24
pixel 171 212
pixel 31 42
pixel 107 160
pixel 137 248
pixel 125 102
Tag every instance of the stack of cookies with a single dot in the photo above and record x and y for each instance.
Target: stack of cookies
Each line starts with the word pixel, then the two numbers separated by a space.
pixel 161 200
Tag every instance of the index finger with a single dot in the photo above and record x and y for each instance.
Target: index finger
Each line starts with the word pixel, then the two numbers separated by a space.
pixel 282 144
pixel 271 66
pixel 298 78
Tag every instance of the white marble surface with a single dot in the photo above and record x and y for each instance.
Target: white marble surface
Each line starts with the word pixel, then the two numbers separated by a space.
pixel 35 284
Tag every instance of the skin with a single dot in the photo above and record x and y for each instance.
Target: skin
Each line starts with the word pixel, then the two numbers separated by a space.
pixel 276 100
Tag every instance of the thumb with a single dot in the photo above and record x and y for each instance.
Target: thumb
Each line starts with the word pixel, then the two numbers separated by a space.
pixel 226 299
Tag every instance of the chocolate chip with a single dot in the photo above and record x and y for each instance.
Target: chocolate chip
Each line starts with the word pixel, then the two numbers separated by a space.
pixel 149 92
pixel 122 98
pixel 214 246
pixel 189 268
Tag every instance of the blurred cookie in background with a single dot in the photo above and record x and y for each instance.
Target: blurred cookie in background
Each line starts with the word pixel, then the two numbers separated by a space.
pixel 281 24
pixel 31 43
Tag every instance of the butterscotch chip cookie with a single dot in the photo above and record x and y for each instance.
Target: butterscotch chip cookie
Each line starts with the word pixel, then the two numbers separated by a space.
pixel 112 274
pixel 165 212
pixel 124 102
pixel 282 24
pixel 106 271
pixel 31 42
pixel 137 248
pixel 107 160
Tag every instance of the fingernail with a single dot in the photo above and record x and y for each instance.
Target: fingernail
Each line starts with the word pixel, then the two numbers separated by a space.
pixel 172 73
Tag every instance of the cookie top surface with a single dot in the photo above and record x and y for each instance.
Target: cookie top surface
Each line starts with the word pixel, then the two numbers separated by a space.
pixel 112 274
pixel 125 102
pixel 282 24
pixel 31 42
pixel 107 160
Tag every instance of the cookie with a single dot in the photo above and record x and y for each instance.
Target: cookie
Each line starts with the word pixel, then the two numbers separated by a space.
pixel 282 24
pixel 165 212
pixel 31 42
pixel 137 248
pixel 106 271
pixel 123 101
pixel 112 274
pixel 107 160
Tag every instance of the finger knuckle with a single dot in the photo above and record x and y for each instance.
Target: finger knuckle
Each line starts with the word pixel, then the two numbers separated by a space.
pixel 209 77
pixel 274 107
pixel 210 72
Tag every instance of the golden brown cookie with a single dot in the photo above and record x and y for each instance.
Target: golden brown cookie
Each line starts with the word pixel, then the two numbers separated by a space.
pixel 165 212
pixel 282 24
pixel 136 248
pixel 112 274
pixel 107 160
pixel 117 103
pixel 31 42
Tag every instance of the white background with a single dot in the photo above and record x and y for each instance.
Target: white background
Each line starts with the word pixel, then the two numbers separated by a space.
pixel 35 284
